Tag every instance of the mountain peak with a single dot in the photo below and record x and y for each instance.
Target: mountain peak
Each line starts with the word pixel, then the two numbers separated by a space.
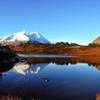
pixel 23 36
pixel 36 33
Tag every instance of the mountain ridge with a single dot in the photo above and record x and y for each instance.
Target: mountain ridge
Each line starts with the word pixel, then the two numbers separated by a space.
pixel 23 36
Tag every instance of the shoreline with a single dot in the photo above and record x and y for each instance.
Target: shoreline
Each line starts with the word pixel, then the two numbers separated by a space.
pixel 42 49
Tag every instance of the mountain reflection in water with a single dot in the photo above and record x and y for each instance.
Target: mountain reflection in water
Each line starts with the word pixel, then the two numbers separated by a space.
pixel 24 68
pixel 51 79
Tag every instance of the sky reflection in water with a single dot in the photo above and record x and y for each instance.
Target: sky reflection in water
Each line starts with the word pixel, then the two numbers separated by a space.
pixel 48 81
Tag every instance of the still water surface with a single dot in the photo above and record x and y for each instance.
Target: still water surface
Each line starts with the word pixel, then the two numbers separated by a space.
pixel 51 81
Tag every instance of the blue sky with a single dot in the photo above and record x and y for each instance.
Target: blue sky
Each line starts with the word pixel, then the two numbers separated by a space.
pixel 58 20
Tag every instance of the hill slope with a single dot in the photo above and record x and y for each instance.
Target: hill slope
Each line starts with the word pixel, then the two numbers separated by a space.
pixel 96 41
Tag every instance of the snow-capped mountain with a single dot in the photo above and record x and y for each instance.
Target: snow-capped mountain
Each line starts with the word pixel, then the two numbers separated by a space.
pixel 33 37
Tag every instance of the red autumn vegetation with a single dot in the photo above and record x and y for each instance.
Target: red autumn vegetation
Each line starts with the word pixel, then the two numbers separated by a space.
pixel 58 48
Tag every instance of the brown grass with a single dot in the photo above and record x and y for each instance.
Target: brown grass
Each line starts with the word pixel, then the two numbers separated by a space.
pixel 42 49
pixel 10 98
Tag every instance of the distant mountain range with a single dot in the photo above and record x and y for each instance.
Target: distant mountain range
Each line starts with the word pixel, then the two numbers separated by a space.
pixel 30 37
pixel 33 37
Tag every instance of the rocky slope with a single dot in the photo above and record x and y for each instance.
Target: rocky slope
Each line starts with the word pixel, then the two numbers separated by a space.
pixel 96 41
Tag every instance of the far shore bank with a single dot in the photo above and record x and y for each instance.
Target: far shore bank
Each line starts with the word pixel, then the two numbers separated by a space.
pixel 61 49
pixel 83 53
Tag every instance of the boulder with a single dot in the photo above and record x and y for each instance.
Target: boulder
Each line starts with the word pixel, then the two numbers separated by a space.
pixel 7 56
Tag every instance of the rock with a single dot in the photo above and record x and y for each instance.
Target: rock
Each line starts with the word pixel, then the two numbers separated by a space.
pixel 96 41
pixel 7 56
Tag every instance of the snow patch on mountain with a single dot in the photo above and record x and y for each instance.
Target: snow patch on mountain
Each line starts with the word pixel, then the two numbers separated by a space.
pixel 23 36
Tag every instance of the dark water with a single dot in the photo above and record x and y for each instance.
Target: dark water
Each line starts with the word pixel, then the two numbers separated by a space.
pixel 51 81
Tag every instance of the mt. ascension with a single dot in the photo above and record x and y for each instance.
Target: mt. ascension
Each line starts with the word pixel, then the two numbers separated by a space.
pixel 33 37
